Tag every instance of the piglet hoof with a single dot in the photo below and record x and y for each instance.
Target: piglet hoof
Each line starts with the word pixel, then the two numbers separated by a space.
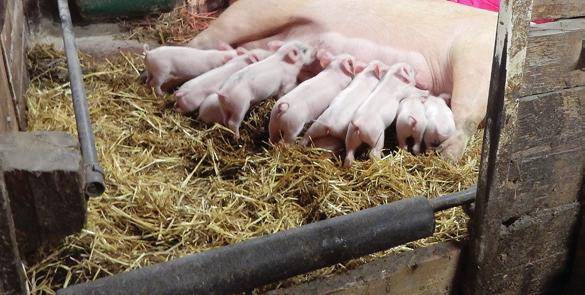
pixel 453 148
pixel 347 163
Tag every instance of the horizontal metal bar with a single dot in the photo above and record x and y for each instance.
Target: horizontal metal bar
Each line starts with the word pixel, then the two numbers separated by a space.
pixel 253 263
pixel 93 172
pixel 455 199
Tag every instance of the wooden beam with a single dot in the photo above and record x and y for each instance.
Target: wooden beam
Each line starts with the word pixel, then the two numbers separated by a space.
pixel 557 9
pixel 11 271
pixel 555 57
pixel 429 270
pixel 42 173
pixel 526 207
pixel 576 285
pixel 12 39
pixel 8 121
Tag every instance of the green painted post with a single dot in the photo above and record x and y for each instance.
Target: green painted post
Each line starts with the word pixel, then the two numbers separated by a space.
pixel 100 9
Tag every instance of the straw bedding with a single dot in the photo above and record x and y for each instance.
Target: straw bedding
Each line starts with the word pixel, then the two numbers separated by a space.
pixel 176 186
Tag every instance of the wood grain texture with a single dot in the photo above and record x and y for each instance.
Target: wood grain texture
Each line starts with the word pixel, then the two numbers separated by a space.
pixel 429 270
pixel 8 121
pixel 13 43
pixel 42 173
pixel 532 159
pixel 12 279
pixel 555 57
pixel 557 9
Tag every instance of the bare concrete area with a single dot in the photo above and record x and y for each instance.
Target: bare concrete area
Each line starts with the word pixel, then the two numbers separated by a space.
pixel 99 40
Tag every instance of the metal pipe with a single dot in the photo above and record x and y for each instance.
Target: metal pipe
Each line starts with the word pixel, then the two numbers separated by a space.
pixel 455 199
pixel 253 263
pixel 93 172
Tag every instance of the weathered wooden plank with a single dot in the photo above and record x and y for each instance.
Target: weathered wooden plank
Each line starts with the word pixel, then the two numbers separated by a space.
pixel 549 139
pixel 545 181
pixel 8 120
pixel 576 285
pixel 11 271
pixel 19 74
pixel 526 279
pixel 13 39
pixel 555 57
pixel 42 172
pixel 507 253
pixel 547 231
pixel 557 9
pixel 429 270
pixel 548 121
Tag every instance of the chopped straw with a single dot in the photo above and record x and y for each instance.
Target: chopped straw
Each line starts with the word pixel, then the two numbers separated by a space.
pixel 176 186
pixel 176 27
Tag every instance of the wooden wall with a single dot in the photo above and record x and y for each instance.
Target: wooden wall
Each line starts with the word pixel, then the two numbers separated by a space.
pixel 528 204
pixel 13 75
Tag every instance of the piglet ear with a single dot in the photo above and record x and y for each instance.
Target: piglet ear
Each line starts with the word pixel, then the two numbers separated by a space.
pixel 359 67
pixel 292 56
pixel 348 66
pixel 224 46
pixel 406 74
pixel 227 57
pixel 379 71
pixel 253 58
pixel 241 51
pixel 275 45
pixel 412 121
pixel 325 57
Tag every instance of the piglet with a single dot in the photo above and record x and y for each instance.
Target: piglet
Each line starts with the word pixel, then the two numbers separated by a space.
pixel 179 64
pixel 379 111
pixel 307 101
pixel 441 124
pixel 191 94
pixel 210 111
pixel 411 121
pixel 275 75
pixel 335 119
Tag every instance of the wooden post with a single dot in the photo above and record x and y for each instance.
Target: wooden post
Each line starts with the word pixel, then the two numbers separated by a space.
pixel 13 74
pixel 423 271
pixel 11 271
pixel 527 205
pixel 42 174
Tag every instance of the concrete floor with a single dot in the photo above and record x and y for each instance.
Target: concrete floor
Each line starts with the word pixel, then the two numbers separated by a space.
pixel 99 40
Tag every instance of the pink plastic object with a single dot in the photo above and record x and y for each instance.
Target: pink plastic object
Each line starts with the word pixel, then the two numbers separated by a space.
pixel 493 5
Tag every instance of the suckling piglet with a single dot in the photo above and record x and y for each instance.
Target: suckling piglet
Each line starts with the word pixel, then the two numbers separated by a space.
pixel 379 111
pixel 333 122
pixel 179 64
pixel 191 94
pixel 411 121
pixel 441 124
pixel 274 76
pixel 308 100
